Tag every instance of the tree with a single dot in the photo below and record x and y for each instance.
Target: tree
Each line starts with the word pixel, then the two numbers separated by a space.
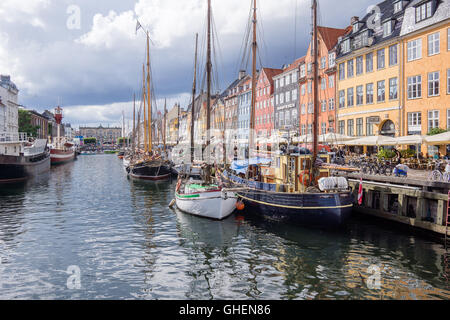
pixel 436 131
pixel 90 141
pixel 25 125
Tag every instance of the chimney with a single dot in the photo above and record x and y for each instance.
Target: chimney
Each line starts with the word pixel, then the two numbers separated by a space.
pixel 354 20
pixel 242 74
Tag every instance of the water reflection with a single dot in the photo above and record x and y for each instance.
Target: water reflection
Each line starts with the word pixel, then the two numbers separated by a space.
pixel 129 245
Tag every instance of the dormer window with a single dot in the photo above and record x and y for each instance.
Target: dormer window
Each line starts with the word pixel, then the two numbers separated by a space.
pixel 424 11
pixel 398 6
pixel 345 46
pixel 355 27
pixel 387 28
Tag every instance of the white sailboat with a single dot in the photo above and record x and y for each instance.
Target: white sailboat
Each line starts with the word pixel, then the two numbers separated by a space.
pixel 196 193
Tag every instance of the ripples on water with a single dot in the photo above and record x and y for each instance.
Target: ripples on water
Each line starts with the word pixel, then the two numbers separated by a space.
pixel 129 245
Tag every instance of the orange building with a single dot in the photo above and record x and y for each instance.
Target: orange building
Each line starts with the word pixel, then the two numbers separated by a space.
pixel 426 56
pixel 327 38
pixel 264 120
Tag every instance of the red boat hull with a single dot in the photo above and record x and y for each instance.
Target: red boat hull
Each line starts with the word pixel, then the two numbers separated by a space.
pixel 61 156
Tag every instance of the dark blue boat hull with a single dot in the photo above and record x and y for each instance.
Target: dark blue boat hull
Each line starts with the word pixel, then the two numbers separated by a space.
pixel 315 209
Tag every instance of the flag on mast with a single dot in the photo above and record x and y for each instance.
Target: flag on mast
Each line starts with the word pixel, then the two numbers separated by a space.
pixel 360 192
pixel 138 25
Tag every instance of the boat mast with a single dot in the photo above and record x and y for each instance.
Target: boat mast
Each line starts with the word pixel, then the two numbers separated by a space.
pixel 149 100
pixel 316 93
pixel 133 136
pixel 252 110
pixel 194 88
pixel 208 77
pixel 164 124
pixel 145 116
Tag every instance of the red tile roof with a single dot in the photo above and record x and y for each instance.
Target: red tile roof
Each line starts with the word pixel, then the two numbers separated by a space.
pixel 330 36
pixel 270 73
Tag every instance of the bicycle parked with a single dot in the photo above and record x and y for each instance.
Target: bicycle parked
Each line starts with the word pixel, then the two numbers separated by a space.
pixel 438 174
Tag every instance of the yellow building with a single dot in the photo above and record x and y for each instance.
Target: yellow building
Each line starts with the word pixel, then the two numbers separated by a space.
pixel 426 54
pixel 368 96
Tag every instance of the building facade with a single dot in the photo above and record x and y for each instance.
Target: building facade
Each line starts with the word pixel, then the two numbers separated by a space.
pixel 426 54
pixel 286 97
pixel 264 107
pixel 41 122
pixel 104 135
pixel 369 74
pixel 244 106
pixel 9 108
pixel 327 38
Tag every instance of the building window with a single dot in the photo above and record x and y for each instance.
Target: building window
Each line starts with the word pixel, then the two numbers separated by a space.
pixel 309 86
pixel 433 84
pixel 342 99
pixel 398 6
pixel 414 122
pixel 323 62
pixel 393 89
pixel 310 108
pixel 369 62
pixel 350 68
pixel 369 127
pixel 341 126
pixel 302 71
pixel 414 87
pixel 323 105
pixel 288 96
pixel 433 44
pixel 331 81
pixel 448 81
pixel 350 127
pixel 359 65
pixel 414 49
pixel 380 59
pixel 323 128
pixel 309 67
pixel 387 28
pixel 424 11
pixel 359 126
pixel 323 84
pixel 294 94
pixel 359 95
pixel 295 77
pixel 310 129
pixel 448 119
pixel 303 129
pixel 341 71
pixel 369 93
pixel 331 60
pixel 393 57
pixel 433 119
pixel 345 46
pixel 303 89
pixel 331 104
pixel 303 109
pixel 448 39
pixel 381 96
pixel 288 80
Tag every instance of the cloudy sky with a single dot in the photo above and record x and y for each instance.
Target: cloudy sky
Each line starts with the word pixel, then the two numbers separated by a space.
pixel 86 55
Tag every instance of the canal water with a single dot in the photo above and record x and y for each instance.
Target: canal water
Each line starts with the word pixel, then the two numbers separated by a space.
pixel 87 232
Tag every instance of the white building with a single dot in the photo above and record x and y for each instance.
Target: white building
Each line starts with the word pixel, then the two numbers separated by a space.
pixel 9 114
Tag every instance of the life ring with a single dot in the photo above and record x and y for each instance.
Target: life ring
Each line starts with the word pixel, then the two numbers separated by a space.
pixel 304 178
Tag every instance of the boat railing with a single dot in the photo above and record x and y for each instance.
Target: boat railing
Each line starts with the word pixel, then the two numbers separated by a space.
pixel 13 137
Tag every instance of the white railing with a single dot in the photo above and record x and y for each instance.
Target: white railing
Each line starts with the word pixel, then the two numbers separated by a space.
pixel 13 137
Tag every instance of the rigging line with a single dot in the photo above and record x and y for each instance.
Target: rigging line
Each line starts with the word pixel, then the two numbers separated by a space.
pixel 295 29
pixel 244 44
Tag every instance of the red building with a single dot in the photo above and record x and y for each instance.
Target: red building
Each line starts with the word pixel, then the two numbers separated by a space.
pixel 264 106
pixel 327 38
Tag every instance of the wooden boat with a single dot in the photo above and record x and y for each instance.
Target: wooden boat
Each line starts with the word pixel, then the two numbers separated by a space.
pixel 196 192
pixel 295 189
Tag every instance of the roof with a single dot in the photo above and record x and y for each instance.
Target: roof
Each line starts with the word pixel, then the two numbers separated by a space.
pixel 330 36
pixel 270 72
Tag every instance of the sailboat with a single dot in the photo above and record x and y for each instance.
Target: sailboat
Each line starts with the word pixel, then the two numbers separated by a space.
pixel 152 166
pixel 196 193
pixel 296 188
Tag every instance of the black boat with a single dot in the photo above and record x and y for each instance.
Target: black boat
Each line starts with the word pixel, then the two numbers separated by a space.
pixel 153 170
pixel 25 163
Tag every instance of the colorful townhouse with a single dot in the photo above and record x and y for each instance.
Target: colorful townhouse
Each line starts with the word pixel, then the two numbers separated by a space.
pixel 264 106
pixel 231 102
pixel 244 106
pixel 369 74
pixel 426 80
pixel 327 38
pixel 286 102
